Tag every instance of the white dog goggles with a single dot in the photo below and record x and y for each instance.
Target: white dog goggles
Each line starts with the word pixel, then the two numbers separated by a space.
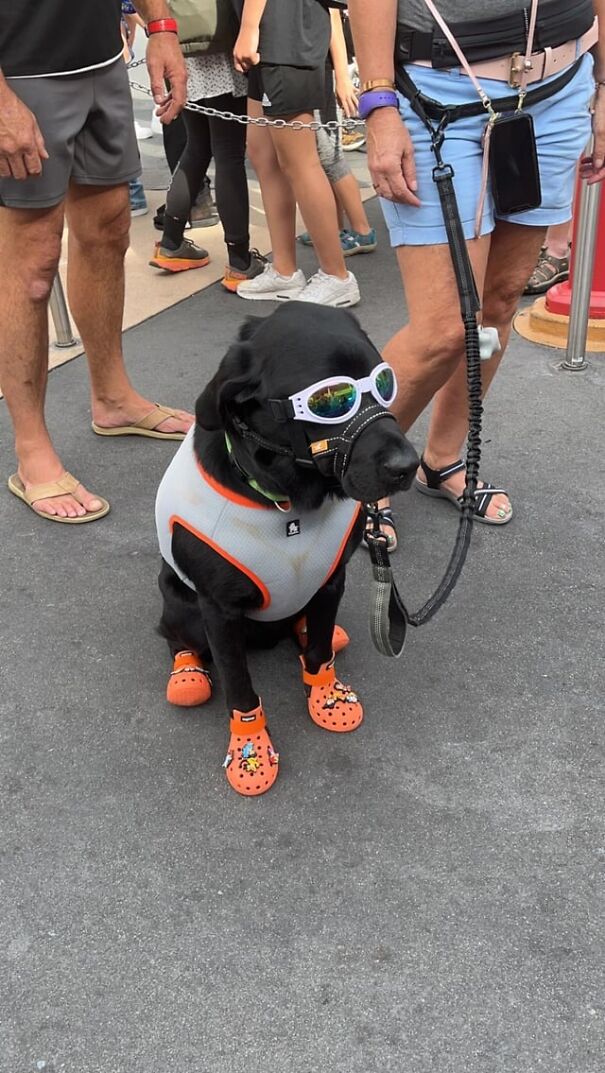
pixel 338 398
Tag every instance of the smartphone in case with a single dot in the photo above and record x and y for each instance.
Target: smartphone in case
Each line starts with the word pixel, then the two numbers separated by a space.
pixel 515 173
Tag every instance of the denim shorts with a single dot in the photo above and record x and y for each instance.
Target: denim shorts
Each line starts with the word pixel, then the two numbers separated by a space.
pixel 562 127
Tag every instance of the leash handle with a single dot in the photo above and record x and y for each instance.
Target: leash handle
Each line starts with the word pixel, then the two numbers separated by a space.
pixel 388 614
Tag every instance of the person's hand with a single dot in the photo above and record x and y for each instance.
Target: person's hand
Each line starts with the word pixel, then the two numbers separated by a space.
pixel 391 157
pixel 592 168
pixel 165 63
pixel 347 97
pixel 22 147
pixel 245 50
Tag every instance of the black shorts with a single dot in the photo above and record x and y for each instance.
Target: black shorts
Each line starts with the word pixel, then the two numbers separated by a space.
pixel 287 91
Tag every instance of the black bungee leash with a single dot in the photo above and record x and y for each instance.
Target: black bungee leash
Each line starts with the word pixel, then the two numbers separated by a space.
pixel 389 617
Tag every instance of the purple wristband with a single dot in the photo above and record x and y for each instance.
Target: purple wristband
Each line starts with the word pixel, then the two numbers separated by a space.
pixel 376 98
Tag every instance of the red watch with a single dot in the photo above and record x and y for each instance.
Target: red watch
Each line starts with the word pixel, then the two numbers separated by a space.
pixel 162 26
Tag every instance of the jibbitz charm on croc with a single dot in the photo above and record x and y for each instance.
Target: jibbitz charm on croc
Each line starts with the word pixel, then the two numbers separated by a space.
pixel 332 705
pixel 251 764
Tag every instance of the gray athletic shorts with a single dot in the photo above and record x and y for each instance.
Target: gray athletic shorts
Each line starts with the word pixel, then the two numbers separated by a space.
pixel 331 156
pixel 88 129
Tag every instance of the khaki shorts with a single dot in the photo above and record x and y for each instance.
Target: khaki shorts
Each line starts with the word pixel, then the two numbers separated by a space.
pixel 87 124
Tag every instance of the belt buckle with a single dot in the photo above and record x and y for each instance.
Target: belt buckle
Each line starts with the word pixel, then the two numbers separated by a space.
pixel 518 66
pixel 515 70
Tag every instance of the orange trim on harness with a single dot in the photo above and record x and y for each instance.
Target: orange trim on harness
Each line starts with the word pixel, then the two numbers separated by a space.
pixel 266 595
pixel 342 547
pixel 234 497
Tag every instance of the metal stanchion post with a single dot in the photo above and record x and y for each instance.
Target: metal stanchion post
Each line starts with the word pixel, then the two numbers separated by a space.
pixel 60 315
pixel 585 242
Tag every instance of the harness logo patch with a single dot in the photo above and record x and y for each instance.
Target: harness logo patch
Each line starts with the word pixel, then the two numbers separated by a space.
pixel 293 528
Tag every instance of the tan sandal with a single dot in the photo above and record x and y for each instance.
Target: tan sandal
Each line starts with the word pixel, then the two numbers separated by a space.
pixel 65 485
pixel 548 271
pixel 147 426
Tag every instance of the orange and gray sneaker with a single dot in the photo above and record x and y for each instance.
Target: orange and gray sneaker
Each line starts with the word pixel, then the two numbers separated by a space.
pixel 234 276
pixel 187 256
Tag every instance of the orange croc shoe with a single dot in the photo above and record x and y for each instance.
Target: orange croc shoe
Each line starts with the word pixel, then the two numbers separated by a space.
pixel 251 764
pixel 340 637
pixel 332 705
pixel 189 683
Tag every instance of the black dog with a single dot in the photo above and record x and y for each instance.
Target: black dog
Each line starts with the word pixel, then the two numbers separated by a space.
pixel 260 512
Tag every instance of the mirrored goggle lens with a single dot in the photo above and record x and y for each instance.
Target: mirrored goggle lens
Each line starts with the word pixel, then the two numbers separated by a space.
pixel 335 400
pixel 385 385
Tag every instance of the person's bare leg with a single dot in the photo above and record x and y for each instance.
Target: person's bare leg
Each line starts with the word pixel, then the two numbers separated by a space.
pixel 557 239
pixel 348 196
pixel 30 243
pixel 276 192
pixel 513 254
pixel 99 222
pixel 299 161
pixel 427 350
pixel 340 215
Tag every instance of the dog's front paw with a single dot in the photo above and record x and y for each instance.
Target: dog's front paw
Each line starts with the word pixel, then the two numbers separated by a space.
pixel 189 683
pixel 332 705
pixel 251 764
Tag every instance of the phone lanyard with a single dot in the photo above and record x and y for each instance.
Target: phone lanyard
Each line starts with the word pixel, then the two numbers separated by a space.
pixel 487 104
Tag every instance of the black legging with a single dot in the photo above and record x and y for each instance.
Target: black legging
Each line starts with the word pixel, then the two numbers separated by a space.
pixel 175 140
pixel 225 141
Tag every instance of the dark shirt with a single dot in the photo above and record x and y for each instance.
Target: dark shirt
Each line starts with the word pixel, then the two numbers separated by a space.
pixel 46 37
pixel 295 33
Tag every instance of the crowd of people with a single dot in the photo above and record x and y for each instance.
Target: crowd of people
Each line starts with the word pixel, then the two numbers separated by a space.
pixel 68 151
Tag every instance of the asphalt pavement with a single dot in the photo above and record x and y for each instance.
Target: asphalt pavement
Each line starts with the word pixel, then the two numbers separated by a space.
pixel 422 896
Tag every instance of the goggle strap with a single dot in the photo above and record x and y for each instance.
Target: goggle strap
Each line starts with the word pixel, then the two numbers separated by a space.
pixel 248 434
pixel 301 444
pixel 281 409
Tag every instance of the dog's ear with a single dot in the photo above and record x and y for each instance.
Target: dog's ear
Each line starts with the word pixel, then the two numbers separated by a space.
pixel 235 381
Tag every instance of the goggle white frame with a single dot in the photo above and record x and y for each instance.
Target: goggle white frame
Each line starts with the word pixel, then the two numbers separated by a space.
pixel 366 384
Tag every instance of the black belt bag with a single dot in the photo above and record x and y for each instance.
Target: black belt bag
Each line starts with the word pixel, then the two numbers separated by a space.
pixel 513 157
pixel 444 114
pixel 558 21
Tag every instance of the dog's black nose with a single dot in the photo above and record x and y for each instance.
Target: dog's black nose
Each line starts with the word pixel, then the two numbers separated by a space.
pixel 401 465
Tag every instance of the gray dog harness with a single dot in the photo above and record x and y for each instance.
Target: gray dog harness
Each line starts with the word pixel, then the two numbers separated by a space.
pixel 288 554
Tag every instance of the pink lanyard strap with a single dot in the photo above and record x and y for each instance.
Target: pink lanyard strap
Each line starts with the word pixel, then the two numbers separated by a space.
pixel 487 104
pixel 465 64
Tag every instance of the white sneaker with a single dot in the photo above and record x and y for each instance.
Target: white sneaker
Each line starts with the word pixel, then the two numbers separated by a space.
pixel 269 286
pixel 328 290
pixel 142 132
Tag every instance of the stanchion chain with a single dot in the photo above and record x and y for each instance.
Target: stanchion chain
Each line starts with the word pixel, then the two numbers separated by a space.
pixel 251 121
